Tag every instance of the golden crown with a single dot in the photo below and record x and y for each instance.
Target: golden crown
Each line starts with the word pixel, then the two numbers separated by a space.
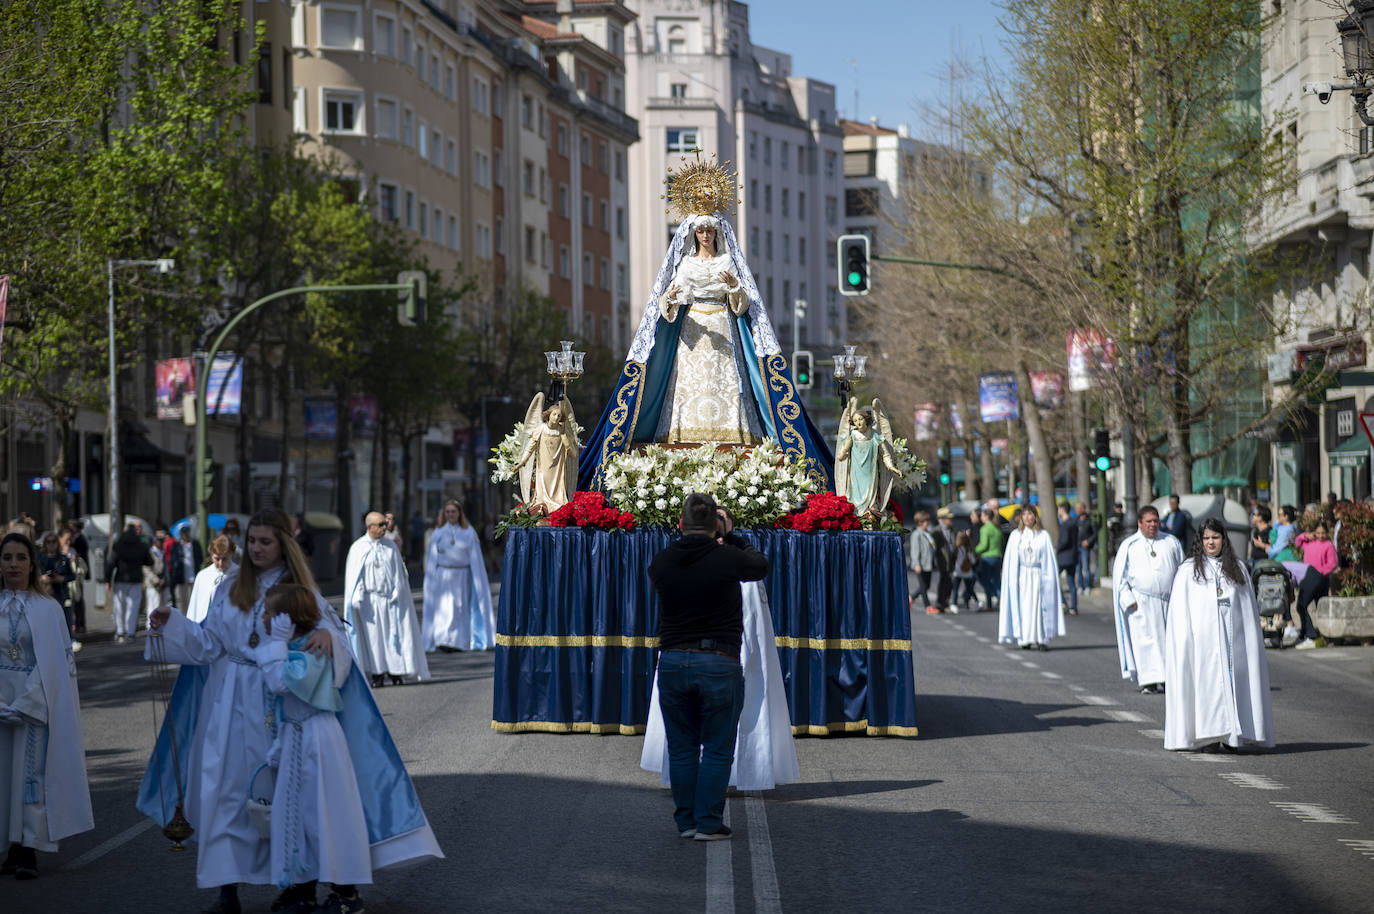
pixel 701 188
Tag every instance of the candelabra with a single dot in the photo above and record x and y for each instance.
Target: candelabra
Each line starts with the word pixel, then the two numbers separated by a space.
pixel 564 365
pixel 848 369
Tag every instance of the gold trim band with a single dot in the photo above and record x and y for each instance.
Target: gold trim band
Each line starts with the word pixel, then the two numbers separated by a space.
pixel 844 644
pixel 552 726
pixel 853 726
pixel 814 644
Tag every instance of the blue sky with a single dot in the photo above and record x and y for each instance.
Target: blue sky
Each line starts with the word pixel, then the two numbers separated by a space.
pixel 901 48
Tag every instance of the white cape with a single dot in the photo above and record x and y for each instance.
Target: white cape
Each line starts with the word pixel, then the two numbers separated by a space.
pixel 203 590
pixel 1217 677
pixel 765 753
pixel 385 632
pixel 1146 581
pixel 458 608
pixel 1031 611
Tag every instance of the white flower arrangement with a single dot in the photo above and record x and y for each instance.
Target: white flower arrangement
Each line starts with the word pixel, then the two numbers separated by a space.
pixel 911 469
pixel 757 486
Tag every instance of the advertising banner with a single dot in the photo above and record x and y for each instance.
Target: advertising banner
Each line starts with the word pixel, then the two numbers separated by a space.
pixel 321 418
pixel 997 397
pixel 1047 387
pixel 174 379
pixel 956 422
pixel 1092 354
pixel 362 416
pixel 927 422
pixel 224 392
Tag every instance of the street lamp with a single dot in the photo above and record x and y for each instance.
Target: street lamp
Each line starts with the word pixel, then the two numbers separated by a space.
pixel 848 369
pixel 563 366
pixel 163 265
pixel 1357 54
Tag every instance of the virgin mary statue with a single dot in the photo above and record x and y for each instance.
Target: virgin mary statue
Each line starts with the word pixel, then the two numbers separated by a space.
pixel 705 365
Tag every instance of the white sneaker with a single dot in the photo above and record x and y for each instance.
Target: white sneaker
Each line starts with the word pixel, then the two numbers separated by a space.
pixel 1290 636
pixel 954 608
pixel 1305 644
pixel 76 647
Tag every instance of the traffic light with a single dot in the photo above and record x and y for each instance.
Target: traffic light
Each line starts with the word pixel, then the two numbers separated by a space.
pixel 801 369
pixel 410 310
pixel 1102 451
pixel 853 263
pixel 945 474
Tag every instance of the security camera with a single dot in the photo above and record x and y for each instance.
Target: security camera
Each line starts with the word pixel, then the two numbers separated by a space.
pixel 1321 90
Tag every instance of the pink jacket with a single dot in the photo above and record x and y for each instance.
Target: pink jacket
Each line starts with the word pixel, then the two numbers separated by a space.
pixel 1320 554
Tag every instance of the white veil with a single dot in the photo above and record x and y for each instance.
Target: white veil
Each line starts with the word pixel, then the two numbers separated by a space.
pixel 765 340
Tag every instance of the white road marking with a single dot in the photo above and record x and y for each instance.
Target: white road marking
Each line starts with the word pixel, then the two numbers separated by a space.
pixel 1128 717
pixel 1030 666
pixel 1078 688
pixel 1048 675
pixel 1203 757
pixel 1097 700
pixel 109 844
pixel 1152 734
pixel 1363 845
pixel 1314 813
pixel 1257 781
pixel 767 899
pixel 720 873
pixel 982 640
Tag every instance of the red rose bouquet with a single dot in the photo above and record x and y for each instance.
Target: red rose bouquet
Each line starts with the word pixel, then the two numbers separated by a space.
pixel 589 509
pixel 823 511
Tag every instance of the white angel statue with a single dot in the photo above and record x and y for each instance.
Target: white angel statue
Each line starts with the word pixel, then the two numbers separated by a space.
pixel 864 467
pixel 548 455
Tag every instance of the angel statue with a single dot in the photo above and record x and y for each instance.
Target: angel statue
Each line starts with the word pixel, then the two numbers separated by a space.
pixel 864 468
pixel 705 365
pixel 548 455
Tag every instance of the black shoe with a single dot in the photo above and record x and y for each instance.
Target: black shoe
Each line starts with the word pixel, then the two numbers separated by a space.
pixel 378 681
pixel 337 904
pixel 11 861
pixel 720 834
pixel 296 899
pixel 397 680
pixel 1210 748
pixel 26 864
pixel 1042 647
pixel 448 650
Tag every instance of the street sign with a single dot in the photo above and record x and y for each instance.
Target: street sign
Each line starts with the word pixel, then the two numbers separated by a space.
pixel 1366 421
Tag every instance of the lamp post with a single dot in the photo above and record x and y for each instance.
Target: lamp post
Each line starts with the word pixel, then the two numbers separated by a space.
pixel 1357 54
pixel 164 265
pixel 563 366
pixel 848 369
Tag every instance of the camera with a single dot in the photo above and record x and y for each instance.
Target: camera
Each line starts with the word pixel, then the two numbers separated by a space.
pixel 1323 91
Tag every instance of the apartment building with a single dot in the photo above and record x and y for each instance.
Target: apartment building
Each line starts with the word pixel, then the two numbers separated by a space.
pixel 1321 447
pixel 696 80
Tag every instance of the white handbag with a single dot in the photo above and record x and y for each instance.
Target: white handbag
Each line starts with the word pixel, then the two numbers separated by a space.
pixel 260 800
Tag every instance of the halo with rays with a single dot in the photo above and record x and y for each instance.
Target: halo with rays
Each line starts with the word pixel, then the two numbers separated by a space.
pixel 700 188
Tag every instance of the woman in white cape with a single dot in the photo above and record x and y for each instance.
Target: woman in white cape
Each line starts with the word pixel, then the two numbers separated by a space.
pixel 44 796
pixel 458 613
pixel 221 551
pixel 765 753
pixel 1216 673
pixel 1032 609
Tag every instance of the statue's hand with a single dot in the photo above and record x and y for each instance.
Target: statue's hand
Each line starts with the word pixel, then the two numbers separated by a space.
pixel 729 279
pixel 674 293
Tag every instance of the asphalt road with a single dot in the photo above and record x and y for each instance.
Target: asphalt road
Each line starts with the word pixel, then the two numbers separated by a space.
pixel 1038 782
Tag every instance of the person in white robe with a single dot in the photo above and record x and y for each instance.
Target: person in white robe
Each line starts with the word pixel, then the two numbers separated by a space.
pixel 44 795
pixel 1032 608
pixel 458 612
pixel 765 752
pixel 1214 661
pixel 222 551
pixel 1142 578
pixel 379 606
pixel 319 832
pixel 236 720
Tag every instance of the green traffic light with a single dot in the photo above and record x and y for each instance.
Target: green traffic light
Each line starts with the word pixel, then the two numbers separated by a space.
pixel 855 277
pixel 944 479
pixel 1104 463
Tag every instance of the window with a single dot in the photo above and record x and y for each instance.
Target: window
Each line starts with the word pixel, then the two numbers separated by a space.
pixel 768 198
pixel 452 237
pixel 409 212
pixel 786 249
pixel 603 157
pixel 620 222
pixel 388 119
pixel 860 163
pixel 342 111
pixel 754 239
pixel 620 278
pixel 682 139
pixel 434 72
pixel 605 274
pixel 286 87
pixel 437 232
pixel 801 204
pixel 424 140
pixel 451 157
pixel 768 150
pixel 531 251
pixel 436 149
pixel 482 240
pixel 407 48
pixel 801 252
pixel 339 28
pixel 564 262
pixel 587 209
pixel 677 40
pixel 831 209
pixel 768 245
pixel 408 126
pixel 782 154
pixel 263 73
pixel 498 168
pixel 830 164
pixel 585 149
pixel 753 144
pixel 599 89
pixel 786 291
pixel 581 80
pixel 860 201
pixel 562 134
pixel 450 81
pixel 801 291
pixel 529 178
pixel 543 186
pixel 545 250
pixel 388 199
pixel 563 200
pixel 587 277
pixel 754 192
pixel 783 201
pixel 526 112
pixel 543 122
pixel 500 236
pixel 677 90
pixel 424 219
pixel 419 59
pixel 497 109
pixel 620 166
pixel 481 168
pixel 481 96
pixel 384 35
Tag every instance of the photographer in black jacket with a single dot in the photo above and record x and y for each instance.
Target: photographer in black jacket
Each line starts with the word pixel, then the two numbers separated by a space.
pixel 700 682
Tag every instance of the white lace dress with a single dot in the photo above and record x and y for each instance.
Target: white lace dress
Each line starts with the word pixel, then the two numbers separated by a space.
pixel 707 398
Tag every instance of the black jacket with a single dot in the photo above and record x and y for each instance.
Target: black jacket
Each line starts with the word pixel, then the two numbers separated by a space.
pixel 128 557
pixel 1067 548
pixel 176 568
pixel 60 568
pixel 944 548
pixel 1087 531
pixel 697 580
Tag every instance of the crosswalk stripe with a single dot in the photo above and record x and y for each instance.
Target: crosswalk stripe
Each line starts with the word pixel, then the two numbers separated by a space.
pixel 1314 813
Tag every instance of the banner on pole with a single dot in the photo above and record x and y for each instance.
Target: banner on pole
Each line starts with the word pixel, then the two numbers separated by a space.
pixel 224 392
pixel 927 422
pixel 174 379
pixel 362 416
pixel 1047 387
pixel 997 397
pixel 321 418
pixel 1092 355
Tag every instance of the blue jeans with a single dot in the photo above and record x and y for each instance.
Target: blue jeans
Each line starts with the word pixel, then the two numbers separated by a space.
pixel 1087 568
pixel 1072 572
pixel 990 576
pixel 700 695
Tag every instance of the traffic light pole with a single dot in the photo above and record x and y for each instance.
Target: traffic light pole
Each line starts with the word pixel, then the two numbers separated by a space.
pixel 202 486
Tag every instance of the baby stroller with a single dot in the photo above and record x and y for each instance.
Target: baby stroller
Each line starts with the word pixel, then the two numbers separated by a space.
pixel 1273 596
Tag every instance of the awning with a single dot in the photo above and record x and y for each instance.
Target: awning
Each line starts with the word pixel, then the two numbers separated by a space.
pixel 1352 452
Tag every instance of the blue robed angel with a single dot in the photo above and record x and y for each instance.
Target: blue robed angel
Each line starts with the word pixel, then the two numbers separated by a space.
pixel 705 364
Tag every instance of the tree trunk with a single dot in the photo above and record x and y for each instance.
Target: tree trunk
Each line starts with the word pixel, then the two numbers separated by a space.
pixel 1145 488
pixel 972 485
pixel 58 471
pixel 1040 452
pixel 987 469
